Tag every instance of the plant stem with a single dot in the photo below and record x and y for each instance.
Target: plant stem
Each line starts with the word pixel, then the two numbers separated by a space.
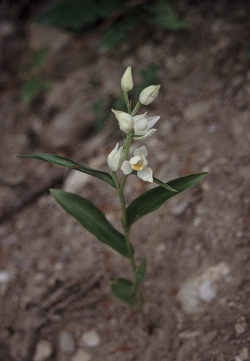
pixel 127 101
pixel 120 190
pixel 136 108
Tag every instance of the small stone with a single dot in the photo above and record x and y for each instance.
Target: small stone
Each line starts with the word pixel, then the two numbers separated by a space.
pixel 90 339
pixel 241 325
pixel 180 208
pixel 244 355
pixel 6 28
pixel 196 111
pixel 190 334
pixel 4 281
pixel 212 128
pixel 39 277
pixel 197 290
pixel 43 350
pixel 67 342
pixel 81 355
pixel 75 181
pixel 197 222
pixel 237 358
pixel 160 248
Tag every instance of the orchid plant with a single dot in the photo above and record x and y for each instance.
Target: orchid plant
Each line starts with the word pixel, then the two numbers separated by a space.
pixel 134 128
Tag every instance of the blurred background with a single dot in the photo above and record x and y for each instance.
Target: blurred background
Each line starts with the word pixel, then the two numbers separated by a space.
pixel 60 68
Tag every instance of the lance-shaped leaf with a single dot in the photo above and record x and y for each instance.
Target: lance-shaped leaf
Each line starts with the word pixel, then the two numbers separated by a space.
pixel 154 198
pixel 140 273
pixel 93 219
pixel 164 185
pixel 68 163
pixel 160 183
pixel 124 290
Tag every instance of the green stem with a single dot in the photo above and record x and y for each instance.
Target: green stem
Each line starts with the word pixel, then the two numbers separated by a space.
pixel 136 108
pixel 127 101
pixel 128 143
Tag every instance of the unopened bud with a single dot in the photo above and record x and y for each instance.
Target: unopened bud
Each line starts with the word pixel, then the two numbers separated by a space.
pixel 126 121
pixel 149 94
pixel 116 158
pixel 127 81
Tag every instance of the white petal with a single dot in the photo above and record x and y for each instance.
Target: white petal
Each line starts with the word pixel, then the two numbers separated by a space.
pixel 139 116
pixel 140 124
pixel 144 161
pixel 146 174
pixel 141 151
pixel 115 158
pixel 135 159
pixel 152 121
pixel 146 134
pixel 126 167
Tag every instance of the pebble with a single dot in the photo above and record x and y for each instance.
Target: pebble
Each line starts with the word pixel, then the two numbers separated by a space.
pixel 180 208
pixel 241 325
pixel 197 222
pixel 189 334
pixel 81 355
pixel 67 342
pixel 6 28
pixel 244 355
pixel 43 350
pixel 75 181
pixel 200 289
pixel 4 281
pixel 197 110
pixel 237 358
pixel 90 339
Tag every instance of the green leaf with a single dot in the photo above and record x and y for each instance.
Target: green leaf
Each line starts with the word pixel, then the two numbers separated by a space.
pixel 164 185
pixel 154 198
pixel 140 273
pixel 30 89
pixel 78 14
pixel 118 33
pixel 70 14
pixel 124 290
pixel 93 219
pixel 40 57
pixel 68 163
pixel 165 16
pixel 247 52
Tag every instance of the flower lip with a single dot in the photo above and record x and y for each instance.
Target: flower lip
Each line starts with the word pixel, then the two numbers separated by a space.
pixel 138 163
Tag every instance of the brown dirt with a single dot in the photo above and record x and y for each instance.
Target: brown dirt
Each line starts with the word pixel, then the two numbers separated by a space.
pixel 59 273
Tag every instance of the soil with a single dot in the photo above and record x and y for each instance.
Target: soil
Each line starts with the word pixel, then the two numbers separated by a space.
pixel 55 275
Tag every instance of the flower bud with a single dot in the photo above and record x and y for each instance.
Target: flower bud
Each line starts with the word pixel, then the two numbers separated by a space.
pixel 115 158
pixel 127 81
pixel 126 121
pixel 149 94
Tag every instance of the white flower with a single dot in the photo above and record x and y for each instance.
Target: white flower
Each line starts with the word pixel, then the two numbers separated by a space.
pixel 115 158
pixel 149 94
pixel 143 125
pixel 127 81
pixel 138 163
pixel 125 120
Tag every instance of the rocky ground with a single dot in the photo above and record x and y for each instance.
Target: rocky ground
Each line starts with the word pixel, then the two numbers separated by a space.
pixel 55 302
